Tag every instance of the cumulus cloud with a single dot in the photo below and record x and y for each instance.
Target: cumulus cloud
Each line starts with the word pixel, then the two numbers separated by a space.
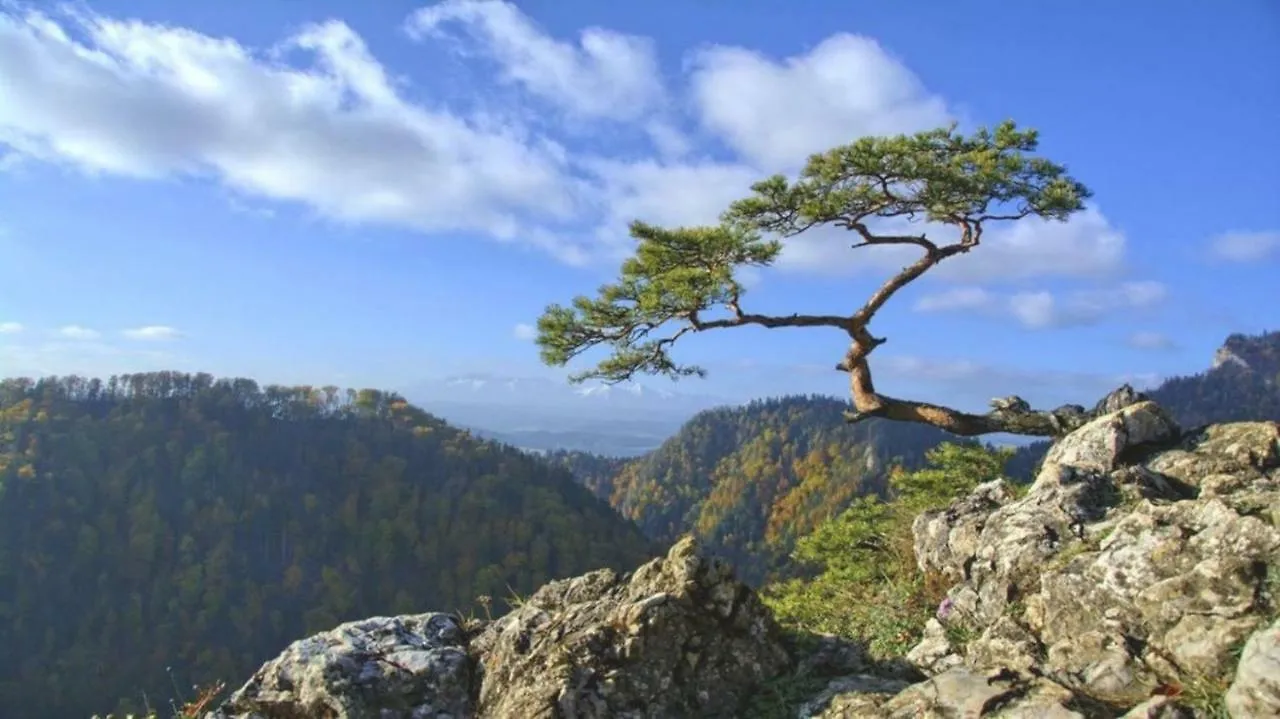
pixel 87 358
pixel 995 380
pixel 1245 246
pixel 970 385
pixel 317 120
pixel 662 193
pixel 956 299
pixel 76 332
pixel 776 113
pixel 10 328
pixel 1042 309
pixel 524 331
pixel 335 134
pixel 606 74
pixel 961 382
pixel 1085 246
pixel 1147 340
pixel 152 333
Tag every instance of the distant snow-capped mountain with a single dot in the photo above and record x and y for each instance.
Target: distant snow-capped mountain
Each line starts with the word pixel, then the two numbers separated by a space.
pixel 539 391
pixel 608 391
pixel 526 404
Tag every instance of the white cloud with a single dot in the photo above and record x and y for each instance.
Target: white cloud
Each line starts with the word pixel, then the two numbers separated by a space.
pixel 1245 246
pixel 147 100
pixel 10 328
pixel 1085 246
pixel 524 331
pixel 777 113
pixel 76 332
pixel 1034 309
pixel 674 194
pixel 243 208
pixel 1146 340
pixel 152 333
pixel 956 299
pixel 1042 309
pixel 973 383
pixel 332 131
pixel 606 75
pixel 1127 295
pixel 87 358
pixel 964 383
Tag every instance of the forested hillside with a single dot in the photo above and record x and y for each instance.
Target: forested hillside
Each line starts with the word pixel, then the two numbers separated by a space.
pixel 750 480
pixel 1243 385
pixel 169 520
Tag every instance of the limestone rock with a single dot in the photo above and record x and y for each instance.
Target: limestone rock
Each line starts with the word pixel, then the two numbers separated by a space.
pixel 412 666
pixel 1256 690
pixel 957 692
pixel 1139 559
pixel 1160 707
pixel 680 637
pixel 933 654
pixel 946 540
pixel 858 695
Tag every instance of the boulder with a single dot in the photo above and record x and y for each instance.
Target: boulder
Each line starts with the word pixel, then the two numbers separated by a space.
pixel 956 692
pixel 679 637
pixel 411 666
pixel 1256 689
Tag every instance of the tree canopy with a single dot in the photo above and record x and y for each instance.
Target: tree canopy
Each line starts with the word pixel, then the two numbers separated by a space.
pixel 683 280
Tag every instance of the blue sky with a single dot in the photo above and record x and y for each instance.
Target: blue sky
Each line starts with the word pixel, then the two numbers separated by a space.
pixel 316 192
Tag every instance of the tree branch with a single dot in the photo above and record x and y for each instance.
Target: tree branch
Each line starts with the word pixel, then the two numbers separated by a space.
pixel 872 239
pixel 1011 415
pixel 741 319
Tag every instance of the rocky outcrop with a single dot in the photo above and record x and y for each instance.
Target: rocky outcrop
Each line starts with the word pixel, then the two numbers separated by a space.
pixel 415 666
pixel 1127 579
pixel 678 637
pixel 1136 577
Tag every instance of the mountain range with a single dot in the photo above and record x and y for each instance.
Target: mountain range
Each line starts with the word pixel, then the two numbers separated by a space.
pixel 172 527
pixel 538 413
pixel 750 480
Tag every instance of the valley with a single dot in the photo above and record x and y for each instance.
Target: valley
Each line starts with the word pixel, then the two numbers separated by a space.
pixel 217 520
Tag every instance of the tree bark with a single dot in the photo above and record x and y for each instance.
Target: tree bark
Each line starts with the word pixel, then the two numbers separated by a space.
pixel 1011 415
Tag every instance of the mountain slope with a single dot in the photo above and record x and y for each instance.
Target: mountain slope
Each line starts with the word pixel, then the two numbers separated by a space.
pixel 749 480
pixel 171 520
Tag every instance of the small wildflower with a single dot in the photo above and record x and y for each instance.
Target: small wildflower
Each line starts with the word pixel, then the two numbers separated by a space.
pixel 944 609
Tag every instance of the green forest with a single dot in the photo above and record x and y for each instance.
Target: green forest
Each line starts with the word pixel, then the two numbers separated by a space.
pixel 748 481
pixel 169 520
pixel 163 530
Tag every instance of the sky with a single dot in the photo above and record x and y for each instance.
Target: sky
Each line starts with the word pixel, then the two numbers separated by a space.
pixel 376 194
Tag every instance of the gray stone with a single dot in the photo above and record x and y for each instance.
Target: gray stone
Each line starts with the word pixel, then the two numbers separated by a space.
pixel 412 667
pixel 680 637
pixel 1256 689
